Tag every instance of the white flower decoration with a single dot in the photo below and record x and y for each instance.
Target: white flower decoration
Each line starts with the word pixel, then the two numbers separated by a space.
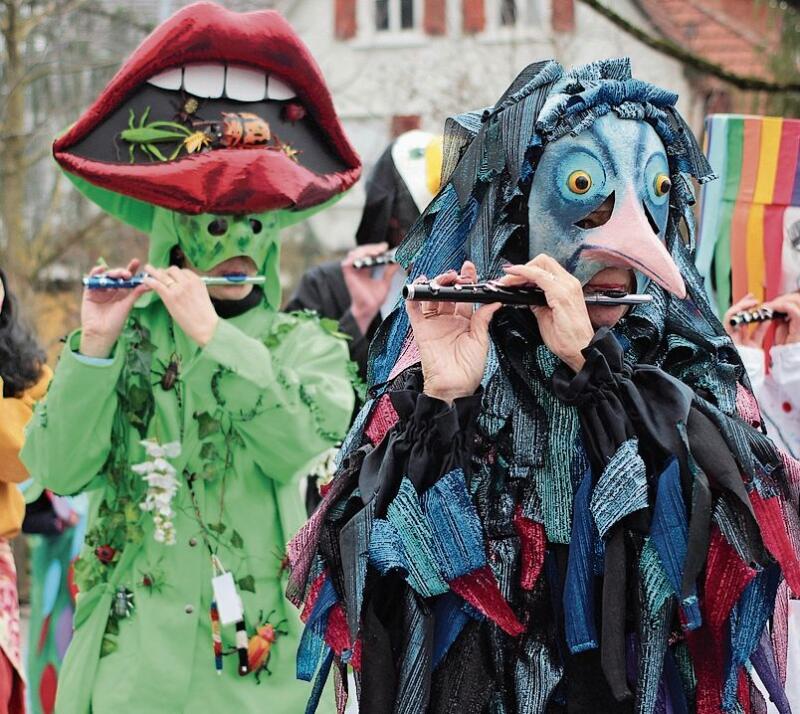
pixel 162 485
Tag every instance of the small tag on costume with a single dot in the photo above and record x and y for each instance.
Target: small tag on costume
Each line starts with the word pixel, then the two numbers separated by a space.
pixel 227 598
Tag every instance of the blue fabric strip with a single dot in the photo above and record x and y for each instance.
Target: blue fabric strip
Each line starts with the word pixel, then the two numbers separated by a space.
pixel 449 619
pixel 748 621
pixel 669 532
pixel 456 529
pixel 578 600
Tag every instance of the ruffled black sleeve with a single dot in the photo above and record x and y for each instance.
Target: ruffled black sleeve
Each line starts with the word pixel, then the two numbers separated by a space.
pixel 617 401
pixel 430 439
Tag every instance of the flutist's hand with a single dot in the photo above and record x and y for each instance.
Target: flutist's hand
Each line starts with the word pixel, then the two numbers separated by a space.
pixel 104 312
pixel 186 298
pixel 787 331
pixel 367 293
pixel 564 323
pixel 453 339
pixel 743 334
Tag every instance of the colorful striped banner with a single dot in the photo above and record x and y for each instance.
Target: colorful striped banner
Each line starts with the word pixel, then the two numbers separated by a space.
pixel 741 233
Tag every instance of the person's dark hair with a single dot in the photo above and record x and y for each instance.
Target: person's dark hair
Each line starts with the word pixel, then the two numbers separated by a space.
pixel 21 358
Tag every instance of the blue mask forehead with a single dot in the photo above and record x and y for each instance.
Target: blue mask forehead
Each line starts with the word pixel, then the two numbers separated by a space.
pixel 576 174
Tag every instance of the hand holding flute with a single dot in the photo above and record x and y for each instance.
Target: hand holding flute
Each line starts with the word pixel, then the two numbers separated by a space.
pixel 453 337
pixel 747 321
pixel 182 291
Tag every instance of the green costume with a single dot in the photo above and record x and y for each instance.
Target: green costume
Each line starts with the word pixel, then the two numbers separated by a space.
pixel 268 394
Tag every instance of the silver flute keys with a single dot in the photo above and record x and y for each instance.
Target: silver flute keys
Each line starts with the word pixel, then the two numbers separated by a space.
pixel 761 314
pixel 492 292
pixel 373 261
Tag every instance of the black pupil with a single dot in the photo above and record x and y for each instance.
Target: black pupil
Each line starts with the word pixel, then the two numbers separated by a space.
pixel 582 183
pixel 255 225
pixel 218 227
pixel 665 185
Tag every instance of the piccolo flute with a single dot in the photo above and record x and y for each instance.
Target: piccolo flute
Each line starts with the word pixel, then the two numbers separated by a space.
pixel 509 295
pixel 104 282
pixel 762 314
pixel 372 261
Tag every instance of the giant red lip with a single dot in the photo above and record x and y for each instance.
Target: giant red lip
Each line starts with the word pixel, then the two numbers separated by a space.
pixel 222 180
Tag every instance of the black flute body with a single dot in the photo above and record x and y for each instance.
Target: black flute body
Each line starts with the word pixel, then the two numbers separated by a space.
pixel 761 314
pixel 508 295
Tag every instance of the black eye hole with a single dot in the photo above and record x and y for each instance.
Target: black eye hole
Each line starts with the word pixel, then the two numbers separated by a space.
pixel 650 219
pixel 218 227
pixel 599 215
pixel 255 224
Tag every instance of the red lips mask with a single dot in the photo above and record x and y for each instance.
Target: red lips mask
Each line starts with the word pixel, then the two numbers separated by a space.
pixel 215 112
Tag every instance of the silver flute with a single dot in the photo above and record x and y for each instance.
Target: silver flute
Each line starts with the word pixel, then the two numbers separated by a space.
pixel 761 314
pixel 373 261
pixel 105 282
pixel 509 295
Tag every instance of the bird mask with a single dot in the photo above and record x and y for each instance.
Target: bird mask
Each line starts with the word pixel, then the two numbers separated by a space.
pixel 589 166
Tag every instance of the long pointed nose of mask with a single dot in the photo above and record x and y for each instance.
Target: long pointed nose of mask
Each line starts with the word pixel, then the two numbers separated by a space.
pixel 627 240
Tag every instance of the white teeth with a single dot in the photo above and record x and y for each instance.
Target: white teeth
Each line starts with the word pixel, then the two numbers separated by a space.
pixel 204 80
pixel 210 80
pixel 245 85
pixel 168 79
pixel 279 90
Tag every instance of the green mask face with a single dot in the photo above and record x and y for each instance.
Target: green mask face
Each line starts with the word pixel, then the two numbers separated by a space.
pixel 208 239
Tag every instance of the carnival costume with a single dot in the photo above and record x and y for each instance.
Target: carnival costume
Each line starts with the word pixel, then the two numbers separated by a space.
pixel 190 455
pixel 608 541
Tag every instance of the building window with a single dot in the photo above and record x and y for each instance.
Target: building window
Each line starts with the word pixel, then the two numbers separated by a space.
pixel 508 13
pixel 381 15
pixel 395 15
pixel 406 14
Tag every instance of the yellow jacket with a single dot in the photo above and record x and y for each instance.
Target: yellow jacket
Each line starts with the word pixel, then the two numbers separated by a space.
pixel 14 415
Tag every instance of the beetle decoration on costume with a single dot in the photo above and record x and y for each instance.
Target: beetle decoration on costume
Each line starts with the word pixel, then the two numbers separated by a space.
pixel 611 541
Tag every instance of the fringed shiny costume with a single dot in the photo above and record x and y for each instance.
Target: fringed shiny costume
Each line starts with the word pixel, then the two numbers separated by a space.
pixel 622 539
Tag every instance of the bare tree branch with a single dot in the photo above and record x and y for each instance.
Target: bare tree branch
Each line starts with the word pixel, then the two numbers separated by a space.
pixel 669 48
pixel 43 234
pixel 54 7
pixel 58 247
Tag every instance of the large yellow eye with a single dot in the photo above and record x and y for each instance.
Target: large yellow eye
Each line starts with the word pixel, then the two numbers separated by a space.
pixel 579 182
pixel 662 185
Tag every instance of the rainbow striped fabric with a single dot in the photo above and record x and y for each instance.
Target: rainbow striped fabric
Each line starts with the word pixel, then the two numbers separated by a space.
pixel 747 213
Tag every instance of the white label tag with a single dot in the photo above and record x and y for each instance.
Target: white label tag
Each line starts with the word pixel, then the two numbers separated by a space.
pixel 229 604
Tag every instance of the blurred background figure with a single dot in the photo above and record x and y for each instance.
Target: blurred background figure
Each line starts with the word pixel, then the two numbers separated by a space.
pixel 24 378
pixel 402 183
pixel 55 526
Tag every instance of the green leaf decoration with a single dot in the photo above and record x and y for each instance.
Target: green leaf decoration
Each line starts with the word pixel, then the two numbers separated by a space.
pixel 209 452
pixel 209 471
pixel 247 583
pixel 108 647
pixel 236 540
pixel 206 424
pixel 112 626
pixel 217 527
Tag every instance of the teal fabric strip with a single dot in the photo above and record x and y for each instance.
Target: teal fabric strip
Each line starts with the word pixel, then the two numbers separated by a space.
pixel 621 489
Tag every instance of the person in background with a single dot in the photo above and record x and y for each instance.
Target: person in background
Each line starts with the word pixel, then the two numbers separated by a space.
pixel 24 377
pixel 55 527
pixel 402 183
pixel 775 375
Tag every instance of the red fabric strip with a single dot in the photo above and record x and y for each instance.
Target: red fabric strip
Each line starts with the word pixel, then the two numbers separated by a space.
pixel 769 515
pixel 532 542
pixel 480 589
pixel 383 418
